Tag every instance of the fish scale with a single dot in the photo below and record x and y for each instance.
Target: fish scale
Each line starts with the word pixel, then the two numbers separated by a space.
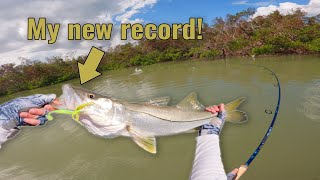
pixel 107 117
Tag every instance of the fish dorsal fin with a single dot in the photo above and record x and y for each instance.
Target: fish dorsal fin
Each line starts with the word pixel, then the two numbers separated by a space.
pixel 147 143
pixel 190 102
pixel 160 101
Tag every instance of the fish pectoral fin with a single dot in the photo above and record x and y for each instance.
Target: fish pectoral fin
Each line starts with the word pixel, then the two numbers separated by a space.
pixel 160 101
pixel 190 102
pixel 236 117
pixel 148 143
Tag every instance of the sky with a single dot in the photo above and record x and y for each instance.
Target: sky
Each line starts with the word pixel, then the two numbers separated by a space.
pixel 15 47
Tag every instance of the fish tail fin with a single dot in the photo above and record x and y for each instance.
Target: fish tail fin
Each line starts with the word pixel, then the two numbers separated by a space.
pixel 234 115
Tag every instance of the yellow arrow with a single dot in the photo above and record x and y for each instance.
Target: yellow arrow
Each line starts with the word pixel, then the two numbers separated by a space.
pixel 88 70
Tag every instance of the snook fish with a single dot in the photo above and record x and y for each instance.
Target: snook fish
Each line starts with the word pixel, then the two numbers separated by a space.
pixel 108 117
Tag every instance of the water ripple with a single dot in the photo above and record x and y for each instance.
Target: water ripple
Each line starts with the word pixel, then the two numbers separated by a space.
pixel 311 104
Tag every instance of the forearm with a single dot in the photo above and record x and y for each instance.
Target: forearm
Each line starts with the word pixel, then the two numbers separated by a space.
pixel 207 164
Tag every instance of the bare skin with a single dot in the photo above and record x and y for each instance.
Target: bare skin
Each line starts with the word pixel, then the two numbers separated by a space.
pixel 31 116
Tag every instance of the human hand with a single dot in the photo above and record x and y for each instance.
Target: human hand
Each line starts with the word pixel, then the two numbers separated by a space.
pixel 29 110
pixel 216 109
pixel 36 116
pixel 215 126
pixel 233 174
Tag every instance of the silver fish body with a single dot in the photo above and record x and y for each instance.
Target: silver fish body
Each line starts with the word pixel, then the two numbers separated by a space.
pixel 109 118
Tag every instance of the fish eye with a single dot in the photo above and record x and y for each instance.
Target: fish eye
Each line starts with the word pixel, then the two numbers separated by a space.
pixel 91 96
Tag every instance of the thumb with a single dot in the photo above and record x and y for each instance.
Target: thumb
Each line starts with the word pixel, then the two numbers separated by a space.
pixel 231 175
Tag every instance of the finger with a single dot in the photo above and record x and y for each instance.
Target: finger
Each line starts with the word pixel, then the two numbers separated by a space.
pixel 37 111
pixel 209 109
pixel 221 107
pixel 48 107
pixel 232 175
pixel 235 171
pixel 216 108
pixel 213 111
pixel 31 121
pixel 28 115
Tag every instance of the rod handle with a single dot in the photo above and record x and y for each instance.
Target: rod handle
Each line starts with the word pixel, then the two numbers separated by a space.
pixel 242 170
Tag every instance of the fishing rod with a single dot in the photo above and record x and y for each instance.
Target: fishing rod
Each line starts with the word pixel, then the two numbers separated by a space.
pixel 244 167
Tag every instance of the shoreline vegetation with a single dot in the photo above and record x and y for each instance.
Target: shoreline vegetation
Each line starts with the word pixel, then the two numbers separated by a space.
pixel 235 35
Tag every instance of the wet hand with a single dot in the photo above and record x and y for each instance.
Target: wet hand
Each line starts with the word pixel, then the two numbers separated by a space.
pixel 36 116
pixel 216 109
pixel 29 110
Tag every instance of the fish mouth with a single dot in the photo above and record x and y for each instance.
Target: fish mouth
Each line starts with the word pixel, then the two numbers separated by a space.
pixel 69 98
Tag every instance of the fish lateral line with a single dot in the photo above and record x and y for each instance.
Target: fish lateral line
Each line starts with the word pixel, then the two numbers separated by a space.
pixel 170 119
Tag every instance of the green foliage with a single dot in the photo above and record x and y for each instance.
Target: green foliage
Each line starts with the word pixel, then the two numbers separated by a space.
pixel 314 45
pixel 156 56
pixel 143 60
pixel 238 44
pixel 172 55
pixel 234 35
pixel 298 46
pixel 265 49
pixel 210 54
pixel 194 52
pixel 309 33
pixel 279 44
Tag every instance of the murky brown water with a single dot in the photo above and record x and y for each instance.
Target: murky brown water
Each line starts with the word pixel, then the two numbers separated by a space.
pixel 64 150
